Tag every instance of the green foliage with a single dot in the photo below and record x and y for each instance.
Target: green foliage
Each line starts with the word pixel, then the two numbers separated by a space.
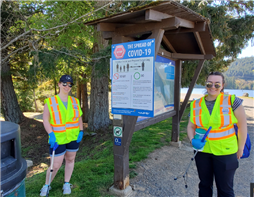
pixel 24 95
pixel 240 74
pixel 102 61
pixel 242 69
pixel 232 26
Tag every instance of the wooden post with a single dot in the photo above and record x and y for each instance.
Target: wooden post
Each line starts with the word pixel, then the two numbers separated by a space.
pixel 175 119
pixel 121 153
pixel 192 84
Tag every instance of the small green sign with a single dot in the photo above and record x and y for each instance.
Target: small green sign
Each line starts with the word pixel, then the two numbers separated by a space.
pixel 118 131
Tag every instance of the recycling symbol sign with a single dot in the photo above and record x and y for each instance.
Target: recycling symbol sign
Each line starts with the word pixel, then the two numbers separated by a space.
pixel 118 131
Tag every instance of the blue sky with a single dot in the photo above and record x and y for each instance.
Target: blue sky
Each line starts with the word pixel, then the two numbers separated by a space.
pixel 247 52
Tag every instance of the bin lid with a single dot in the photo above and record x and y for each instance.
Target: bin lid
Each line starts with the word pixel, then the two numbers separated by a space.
pixel 8 127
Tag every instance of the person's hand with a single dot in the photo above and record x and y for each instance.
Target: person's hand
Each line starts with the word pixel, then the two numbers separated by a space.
pixel 52 139
pixel 80 136
pixel 239 153
pixel 197 144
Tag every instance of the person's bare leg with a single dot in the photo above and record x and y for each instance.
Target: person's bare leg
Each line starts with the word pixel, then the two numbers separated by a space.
pixel 69 165
pixel 58 160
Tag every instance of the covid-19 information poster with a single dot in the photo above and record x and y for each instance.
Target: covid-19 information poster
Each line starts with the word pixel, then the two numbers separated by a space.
pixel 132 78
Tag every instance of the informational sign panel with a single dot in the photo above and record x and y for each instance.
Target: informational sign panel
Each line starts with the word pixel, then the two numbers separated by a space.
pixel 132 82
pixel 164 76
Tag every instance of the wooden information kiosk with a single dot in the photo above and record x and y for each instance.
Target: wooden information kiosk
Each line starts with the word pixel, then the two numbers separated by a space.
pixel 180 34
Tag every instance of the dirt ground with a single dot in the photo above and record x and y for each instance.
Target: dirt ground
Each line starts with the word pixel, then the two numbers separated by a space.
pixel 156 174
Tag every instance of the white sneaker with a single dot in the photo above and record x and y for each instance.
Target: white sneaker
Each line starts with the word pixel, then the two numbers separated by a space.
pixel 44 190
pixel 67 188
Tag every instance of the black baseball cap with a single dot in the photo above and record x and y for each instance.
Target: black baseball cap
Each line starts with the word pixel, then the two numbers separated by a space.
pixel 66 78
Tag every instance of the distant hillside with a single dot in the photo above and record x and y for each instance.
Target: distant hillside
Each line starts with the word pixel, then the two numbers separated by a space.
pixel 240 74
pixel 242 69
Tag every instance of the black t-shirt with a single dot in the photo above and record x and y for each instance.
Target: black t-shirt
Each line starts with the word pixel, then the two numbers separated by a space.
pixel 236 104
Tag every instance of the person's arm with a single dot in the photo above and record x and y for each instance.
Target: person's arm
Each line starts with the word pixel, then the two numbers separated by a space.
pixel 242 129
pixel 191 130
pixel 46 118
pixel 80 123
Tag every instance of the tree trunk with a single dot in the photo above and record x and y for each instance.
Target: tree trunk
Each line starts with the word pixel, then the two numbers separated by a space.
pixel 35 104
pixel 84 97
pixel 79 90
pixel 9 102
pixel 98 113
pixel 55 85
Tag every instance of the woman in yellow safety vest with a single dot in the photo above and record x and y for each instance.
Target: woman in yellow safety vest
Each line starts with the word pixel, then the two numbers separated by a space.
pixel 221 149
pixel 62 119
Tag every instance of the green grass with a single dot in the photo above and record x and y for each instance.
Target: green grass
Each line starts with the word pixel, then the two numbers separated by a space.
pixel 95 174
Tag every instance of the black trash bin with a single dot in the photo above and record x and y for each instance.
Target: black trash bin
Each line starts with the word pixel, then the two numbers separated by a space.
pixel 13 166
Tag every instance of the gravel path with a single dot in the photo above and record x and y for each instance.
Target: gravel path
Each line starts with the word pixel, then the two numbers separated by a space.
pixel 156 174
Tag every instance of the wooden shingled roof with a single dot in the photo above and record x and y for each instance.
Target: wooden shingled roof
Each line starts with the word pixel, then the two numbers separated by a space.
pixel 186 32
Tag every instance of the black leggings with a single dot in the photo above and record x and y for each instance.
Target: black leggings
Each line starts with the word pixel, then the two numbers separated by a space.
pixel 222 168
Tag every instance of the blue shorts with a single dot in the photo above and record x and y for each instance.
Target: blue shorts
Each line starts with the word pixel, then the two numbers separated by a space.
pixel 61 149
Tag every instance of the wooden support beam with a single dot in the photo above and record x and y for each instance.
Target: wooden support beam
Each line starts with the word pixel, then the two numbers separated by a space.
pixel 154 120
pixel 186 23
pixel 167 24
pixel 121 154
pixel 168 44
pixel 157 34
pixel 165 53
pixel 175 119
pixel 199 41
pixel 153 15
pixel 192 84
pixel 183 56
pixel 106 27
pixel 199 27
pixel 121 39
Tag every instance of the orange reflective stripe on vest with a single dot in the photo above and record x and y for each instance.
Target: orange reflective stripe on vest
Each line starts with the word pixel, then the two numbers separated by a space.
pixel 75 108
pixel 222 133
pixel 72 125
pixel 197 111
pixel 54 105
pixel 225 110
pixel 58 128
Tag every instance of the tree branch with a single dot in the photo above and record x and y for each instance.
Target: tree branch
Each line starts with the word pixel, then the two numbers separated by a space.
pixel 57 27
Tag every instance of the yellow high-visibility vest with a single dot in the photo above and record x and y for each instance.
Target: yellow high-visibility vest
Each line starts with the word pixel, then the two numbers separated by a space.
pixel 221 139
pixel 64 122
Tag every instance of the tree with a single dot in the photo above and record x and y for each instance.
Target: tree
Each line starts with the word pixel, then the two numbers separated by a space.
pixel 25 28
pixel 232 26
pixel 56 30
pixel 9 103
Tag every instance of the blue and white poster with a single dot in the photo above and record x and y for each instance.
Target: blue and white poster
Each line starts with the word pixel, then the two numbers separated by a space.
pixel 132 82
pixel 164 76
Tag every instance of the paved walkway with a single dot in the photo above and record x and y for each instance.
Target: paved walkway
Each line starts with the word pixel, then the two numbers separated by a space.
pixel 156 174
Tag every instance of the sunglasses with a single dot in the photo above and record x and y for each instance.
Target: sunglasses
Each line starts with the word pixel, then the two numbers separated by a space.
pixel 210 85
pixel 65 84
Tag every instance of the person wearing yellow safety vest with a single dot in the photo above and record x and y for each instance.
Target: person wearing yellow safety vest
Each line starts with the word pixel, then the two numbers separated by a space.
pixel 62 119
pixel 221 150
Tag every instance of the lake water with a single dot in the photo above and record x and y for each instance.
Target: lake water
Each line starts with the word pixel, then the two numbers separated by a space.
pixel 230 91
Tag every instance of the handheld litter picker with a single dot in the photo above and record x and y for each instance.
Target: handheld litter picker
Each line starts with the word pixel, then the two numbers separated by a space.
pixel 51 166
pixel 186 171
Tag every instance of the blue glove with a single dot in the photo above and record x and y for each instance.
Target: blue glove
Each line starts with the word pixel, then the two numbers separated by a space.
pixel 197 144
pixel 80 136
pixel 52 139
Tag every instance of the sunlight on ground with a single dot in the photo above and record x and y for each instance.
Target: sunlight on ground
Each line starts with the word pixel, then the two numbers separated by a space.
pixel 37 169
pixel 35 115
